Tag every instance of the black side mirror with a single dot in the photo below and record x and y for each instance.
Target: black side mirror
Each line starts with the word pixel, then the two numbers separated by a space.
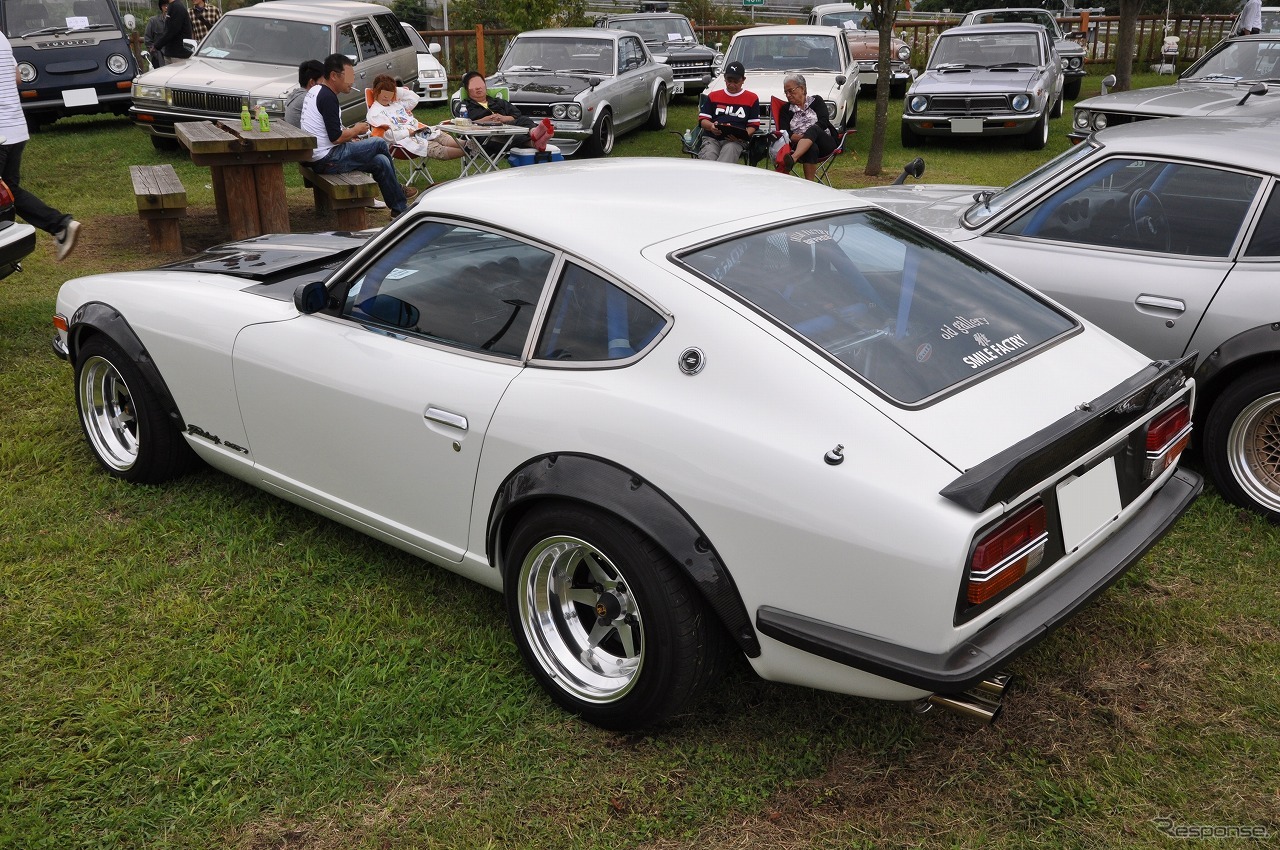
pixel 841 79
pixel 310 297
pixel 1257 88
pixel 594 81
pixel 913 169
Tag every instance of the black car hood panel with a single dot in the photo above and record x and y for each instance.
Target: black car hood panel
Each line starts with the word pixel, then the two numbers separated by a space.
pixel 276 257
pixel 542 88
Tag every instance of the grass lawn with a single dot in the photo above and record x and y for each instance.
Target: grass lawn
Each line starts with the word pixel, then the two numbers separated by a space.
pixel 201 665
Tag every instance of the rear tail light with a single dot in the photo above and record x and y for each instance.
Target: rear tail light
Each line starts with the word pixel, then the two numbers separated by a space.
pixel 1167 435
pixel 1007 552
pixel 6 196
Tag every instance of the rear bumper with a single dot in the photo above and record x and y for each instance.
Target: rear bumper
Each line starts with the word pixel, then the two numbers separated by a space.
pixel 16 241
pixel 1011 635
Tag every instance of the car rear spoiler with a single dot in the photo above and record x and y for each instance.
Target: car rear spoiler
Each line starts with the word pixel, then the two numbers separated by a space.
pixel 1009 473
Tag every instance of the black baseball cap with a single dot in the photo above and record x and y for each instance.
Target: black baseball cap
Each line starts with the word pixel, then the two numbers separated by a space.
pixel 735 71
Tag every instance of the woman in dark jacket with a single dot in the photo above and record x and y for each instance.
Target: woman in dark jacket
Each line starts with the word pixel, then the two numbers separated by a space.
pixel 807 125
pixel 483 108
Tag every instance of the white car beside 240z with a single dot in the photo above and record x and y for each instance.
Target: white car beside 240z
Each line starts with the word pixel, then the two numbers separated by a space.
pixel 787 424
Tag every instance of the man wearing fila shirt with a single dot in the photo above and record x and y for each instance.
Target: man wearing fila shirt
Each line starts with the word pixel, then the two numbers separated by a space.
pixel 728 117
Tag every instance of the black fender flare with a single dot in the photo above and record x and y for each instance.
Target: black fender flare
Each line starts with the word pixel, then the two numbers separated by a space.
pixel 605 485
pixel 1239 354
pixel 106 320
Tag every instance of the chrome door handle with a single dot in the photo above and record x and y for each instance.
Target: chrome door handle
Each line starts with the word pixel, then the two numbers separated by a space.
pixel 444 417
pixel 1175 304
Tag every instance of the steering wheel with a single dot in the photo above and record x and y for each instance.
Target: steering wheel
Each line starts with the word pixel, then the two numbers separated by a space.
pixel 1150 226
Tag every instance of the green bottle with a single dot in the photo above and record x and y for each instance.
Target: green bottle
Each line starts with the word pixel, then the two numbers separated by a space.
pixel 245 120
pixel 264 123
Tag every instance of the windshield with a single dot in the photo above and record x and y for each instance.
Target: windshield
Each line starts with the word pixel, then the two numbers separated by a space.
pixel 1022 16
pixel 657 29
pixel 986 50
pixel 786 53
pixel 268 40
pixel 851 19
pixel 900 309
pixel 986 206
pixel 581 55
pixel 38 17
pixel 1249 61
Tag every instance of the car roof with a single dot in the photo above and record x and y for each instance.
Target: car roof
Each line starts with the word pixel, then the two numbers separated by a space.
pixel 1239 142
pixel 987 29
pixel 633 15
pixel 608 210
pixel 1010 9
pixel 317 10
pixel 574 32
pixel 789 29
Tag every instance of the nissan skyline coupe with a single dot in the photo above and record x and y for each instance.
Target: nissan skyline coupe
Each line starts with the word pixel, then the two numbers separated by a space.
pixel 787 425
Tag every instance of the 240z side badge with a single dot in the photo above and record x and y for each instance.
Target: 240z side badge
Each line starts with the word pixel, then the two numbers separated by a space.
pixel 692 360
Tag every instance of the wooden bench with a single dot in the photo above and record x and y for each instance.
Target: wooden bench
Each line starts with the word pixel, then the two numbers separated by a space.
pixel 162 200
pixel 346 195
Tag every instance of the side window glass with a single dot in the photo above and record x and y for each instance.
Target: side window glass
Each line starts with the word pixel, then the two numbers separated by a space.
pixel 1145 205
pixel 347 43
pixel 590 319
pixel 1266 236
pixel 453 284
pixel 370 44
pixel 395 35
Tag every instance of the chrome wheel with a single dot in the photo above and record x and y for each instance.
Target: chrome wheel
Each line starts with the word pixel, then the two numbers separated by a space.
pixel 108 414
pixel 583 625
pixel 1253 451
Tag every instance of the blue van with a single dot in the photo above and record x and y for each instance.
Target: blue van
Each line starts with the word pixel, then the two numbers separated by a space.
pixel 73 56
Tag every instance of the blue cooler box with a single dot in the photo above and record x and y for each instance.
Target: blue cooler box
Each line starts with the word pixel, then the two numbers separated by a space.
pixel 528 156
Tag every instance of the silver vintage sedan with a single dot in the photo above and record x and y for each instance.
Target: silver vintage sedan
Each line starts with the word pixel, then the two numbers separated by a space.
pixel 986 80
pixel 594 84
pixel 1168 235
pixel 1228 81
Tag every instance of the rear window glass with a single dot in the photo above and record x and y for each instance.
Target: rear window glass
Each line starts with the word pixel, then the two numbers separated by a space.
pixel 903 311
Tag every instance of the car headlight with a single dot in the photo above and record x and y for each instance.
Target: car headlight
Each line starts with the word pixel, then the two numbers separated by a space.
pixel 904 53
pixel 918 103
pixel 27 72
pixel 567 111
pixel 117 64
pixel 831 110
pixel 1020 103
pixel 271 104
pixel 1075 62
pixel 1081 119
pixel 1100 121
pixel 142 91
pixel 431 74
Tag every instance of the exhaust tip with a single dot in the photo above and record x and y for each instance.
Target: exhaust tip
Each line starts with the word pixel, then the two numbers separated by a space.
pixel 983 703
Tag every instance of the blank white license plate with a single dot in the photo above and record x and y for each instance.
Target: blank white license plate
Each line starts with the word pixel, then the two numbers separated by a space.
pixel 678 87
pixel 79 97
pixel 1088 502
pixel 966 125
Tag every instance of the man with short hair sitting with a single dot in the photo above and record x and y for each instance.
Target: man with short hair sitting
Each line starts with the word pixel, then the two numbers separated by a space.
pixel 339 149
pixel 728 117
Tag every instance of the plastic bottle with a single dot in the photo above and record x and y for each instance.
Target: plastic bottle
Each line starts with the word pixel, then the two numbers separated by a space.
pixel 245 120
pixel 462 110
pixel 264 123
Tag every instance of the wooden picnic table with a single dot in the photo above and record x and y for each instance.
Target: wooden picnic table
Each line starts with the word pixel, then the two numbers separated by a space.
pixel 247 167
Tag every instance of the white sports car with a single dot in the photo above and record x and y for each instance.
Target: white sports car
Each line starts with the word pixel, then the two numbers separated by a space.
pixel 787 424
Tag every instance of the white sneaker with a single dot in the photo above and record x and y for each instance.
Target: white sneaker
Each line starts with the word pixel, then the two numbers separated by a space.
pixel 66 238
pixel 379 204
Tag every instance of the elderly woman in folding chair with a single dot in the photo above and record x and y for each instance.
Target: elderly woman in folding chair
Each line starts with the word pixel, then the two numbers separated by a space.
pixel 391 116
pixel 804 121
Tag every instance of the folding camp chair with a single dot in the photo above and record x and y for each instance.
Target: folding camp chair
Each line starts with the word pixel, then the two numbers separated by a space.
pixel 417 165
pixel 824 164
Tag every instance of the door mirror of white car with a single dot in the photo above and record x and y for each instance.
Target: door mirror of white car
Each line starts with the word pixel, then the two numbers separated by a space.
pixel 433 48
pixel 310 297
pixel 841 79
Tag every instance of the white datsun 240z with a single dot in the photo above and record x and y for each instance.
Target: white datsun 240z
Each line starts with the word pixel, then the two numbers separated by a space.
pixel 787 424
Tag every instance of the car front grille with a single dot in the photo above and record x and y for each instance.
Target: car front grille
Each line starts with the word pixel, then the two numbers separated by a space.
pixel 962 105
pixel 689 70
pixel 535 110
pixel 199 101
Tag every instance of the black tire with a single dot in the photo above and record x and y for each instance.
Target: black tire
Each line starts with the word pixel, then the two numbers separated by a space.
pixel 898 91
pixel 1242 442
pixel 1039 135
pixel 1071 89
pixel 164 143
pixel 910 139
pixel 1056 112
pixel 122 418
pixel 602 137
pixel 607 623
pixel 658 115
